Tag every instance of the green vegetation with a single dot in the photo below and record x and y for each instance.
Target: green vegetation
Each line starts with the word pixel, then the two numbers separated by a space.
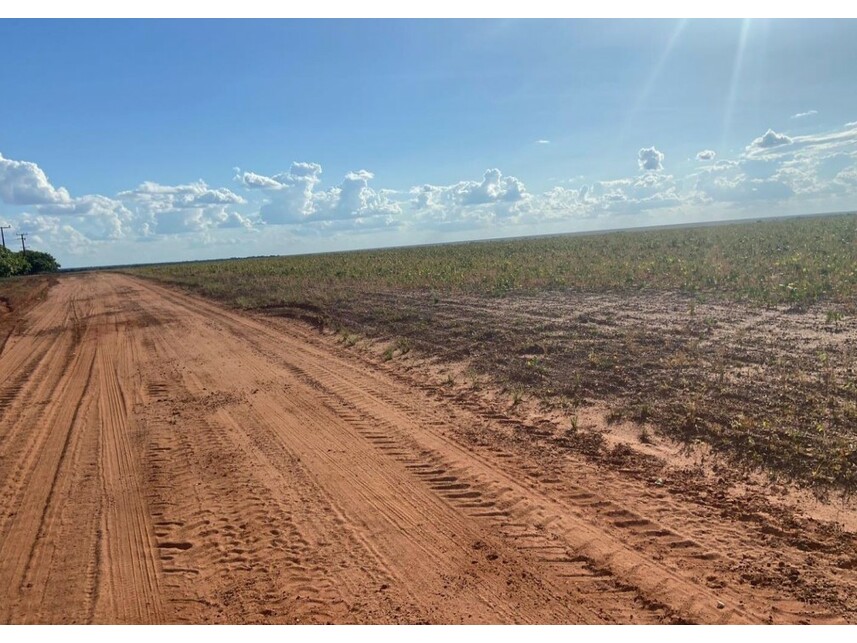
pixel 796 261
pixel 30 263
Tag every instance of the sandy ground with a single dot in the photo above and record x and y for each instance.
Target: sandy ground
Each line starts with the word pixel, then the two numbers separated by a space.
pixel 163 459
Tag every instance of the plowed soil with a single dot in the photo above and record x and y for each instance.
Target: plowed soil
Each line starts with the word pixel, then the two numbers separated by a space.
pixel 164 459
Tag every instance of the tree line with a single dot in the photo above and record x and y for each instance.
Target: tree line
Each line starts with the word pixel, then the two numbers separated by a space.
pixel 30 262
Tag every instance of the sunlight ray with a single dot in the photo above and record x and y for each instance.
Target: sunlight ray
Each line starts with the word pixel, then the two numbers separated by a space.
pixel 649 86
pixel 733 83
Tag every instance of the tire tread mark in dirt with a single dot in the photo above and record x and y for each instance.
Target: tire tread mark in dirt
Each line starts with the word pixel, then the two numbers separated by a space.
pixel 37 470
pixel 679 546
pixel 31 372
pixel 505 506
pixel 198 542
pixel 131 570
pixel 486 501
pixel 41 369
pixel 49 501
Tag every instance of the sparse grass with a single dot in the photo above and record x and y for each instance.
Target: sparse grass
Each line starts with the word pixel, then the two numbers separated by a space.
pixel 347 339
pixel 834 318
pixel 615 415
pixel 403 345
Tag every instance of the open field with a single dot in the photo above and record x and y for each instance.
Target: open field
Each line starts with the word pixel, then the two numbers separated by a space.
pixel 742 336
pixel 794 261
pixel 166 459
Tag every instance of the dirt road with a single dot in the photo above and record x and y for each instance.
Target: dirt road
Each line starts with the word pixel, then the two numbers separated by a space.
pixel 163 459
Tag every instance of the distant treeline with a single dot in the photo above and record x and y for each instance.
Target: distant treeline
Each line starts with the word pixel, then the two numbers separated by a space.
pixel 30 262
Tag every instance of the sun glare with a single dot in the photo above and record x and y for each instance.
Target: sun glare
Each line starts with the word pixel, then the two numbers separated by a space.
pixel 655 74
pixel 733 83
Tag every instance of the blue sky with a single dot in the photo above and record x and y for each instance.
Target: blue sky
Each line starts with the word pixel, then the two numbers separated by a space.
pixel 169 140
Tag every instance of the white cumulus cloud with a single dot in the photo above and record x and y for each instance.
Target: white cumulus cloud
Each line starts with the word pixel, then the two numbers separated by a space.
pixel 294 197
pixel 253 180
pixel 97 216
pixel 471 203
pixel 25 183
pixel 768 140
pixel 650 159
pixel 174 209
pixel 493 188
pixel 178 197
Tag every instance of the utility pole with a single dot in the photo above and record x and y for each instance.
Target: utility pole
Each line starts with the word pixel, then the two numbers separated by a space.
pixel 3 236
pixel 23 236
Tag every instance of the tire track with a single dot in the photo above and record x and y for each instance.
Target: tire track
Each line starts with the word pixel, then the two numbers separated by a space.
pixel 130 572
pixel 234 523
pixel 32 497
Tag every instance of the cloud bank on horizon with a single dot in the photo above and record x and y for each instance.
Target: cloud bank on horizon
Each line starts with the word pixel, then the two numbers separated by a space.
pixel 787 173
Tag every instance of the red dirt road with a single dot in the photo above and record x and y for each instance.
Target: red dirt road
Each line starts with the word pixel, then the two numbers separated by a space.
pixel 163 459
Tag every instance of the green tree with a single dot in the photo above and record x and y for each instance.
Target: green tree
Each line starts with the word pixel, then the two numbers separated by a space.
pixel 11 263
pixel 40 262
pixel 31 262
